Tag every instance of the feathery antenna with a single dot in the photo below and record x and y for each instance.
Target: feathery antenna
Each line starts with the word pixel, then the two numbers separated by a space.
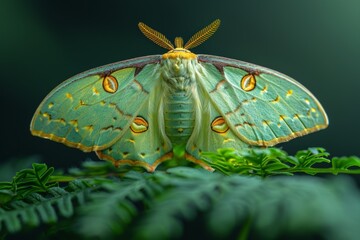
pixel 155 36
pixel 197 39
pixel 202 35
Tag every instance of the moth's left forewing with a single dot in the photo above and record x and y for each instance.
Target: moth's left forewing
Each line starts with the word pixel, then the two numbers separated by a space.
pixel 261 106
pixel 92 110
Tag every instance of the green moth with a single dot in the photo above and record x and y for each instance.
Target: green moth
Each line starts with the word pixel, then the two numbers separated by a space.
pixel 147 110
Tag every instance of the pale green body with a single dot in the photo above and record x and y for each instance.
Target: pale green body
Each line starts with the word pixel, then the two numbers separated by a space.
pixel 179 117
pixel 199 104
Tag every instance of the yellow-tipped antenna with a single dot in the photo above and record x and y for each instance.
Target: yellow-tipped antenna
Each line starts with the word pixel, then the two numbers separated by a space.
pixel 202 35
pixel 155 36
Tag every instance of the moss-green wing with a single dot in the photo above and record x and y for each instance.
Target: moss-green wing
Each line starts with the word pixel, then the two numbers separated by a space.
pixel 260 106
pixel 93 110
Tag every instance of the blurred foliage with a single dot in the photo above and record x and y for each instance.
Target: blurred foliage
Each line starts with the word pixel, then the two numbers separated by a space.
pixel 249 201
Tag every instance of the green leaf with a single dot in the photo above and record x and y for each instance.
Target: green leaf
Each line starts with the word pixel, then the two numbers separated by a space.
pixel 28 181
pixel 307 158
pixel 344 163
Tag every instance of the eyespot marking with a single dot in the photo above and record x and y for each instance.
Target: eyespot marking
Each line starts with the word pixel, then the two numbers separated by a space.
pixel 219 125
pixel 248 82
pixel 110 84
pixel 139 125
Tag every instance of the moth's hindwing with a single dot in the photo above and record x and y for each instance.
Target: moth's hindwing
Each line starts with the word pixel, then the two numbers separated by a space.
pixel 143 143
pixel 213 132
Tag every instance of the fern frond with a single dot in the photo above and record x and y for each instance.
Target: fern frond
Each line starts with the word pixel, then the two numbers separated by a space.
pixel 116 204
pixel 198 190
pixel 274 161
pixel 202 35
pixel 227 205
pixel 345 164
pixel 155 36
pixel 108 203
pixel 35 209
pixel 29 181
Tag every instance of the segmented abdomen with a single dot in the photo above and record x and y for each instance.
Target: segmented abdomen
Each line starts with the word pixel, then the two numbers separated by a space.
pixel 179 117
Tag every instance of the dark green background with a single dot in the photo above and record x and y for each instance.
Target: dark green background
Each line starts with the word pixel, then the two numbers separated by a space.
pixel 44 42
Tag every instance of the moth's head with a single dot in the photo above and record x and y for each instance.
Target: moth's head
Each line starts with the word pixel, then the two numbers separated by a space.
pixel 180 50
